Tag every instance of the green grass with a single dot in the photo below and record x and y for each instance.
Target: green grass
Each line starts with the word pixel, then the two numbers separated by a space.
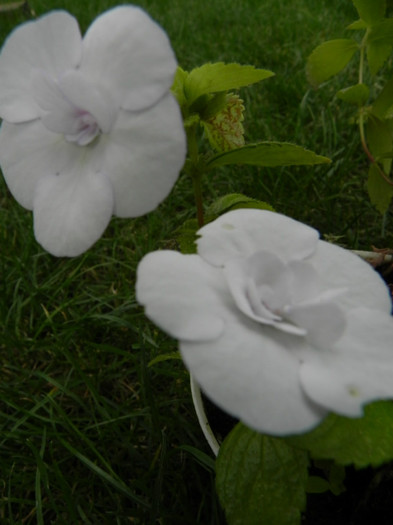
pixel 89 432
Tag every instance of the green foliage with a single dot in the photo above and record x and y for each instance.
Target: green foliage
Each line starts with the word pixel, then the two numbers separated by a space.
pixel 267 154
pixel 329 58
pixel 375 123
pixel 361 442
pixel 357 94
pixel 260 480
pixel 213 78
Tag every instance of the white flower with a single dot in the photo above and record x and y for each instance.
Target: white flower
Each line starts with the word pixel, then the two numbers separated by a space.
pixel 90 128
pixel 278 327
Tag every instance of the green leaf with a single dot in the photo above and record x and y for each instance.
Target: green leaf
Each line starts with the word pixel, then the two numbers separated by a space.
pixel 267 154
pixel 329 58
pixel 213 78
pixel 380 139
pixel 370 10
pixel 186 236
pixel 379 190
pixel 379 44
pixel 362 441
pixel 384 100
pixel 178 86
pixel 234 201
pixel 358 24
pixel 317 485
pixel 260 480
pixel 357 94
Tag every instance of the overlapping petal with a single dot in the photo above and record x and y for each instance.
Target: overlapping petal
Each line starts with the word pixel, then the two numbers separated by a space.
pixel 197 314
pixel 29 152
pixel 143 156
pixel 244 232
pixel 129 53
pixel 53 44
pixel 72 210
pixel 252 373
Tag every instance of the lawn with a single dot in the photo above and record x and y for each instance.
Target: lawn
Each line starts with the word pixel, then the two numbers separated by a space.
pixel 90 431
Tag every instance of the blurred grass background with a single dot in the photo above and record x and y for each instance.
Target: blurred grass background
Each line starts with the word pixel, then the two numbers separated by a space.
pixel 89 432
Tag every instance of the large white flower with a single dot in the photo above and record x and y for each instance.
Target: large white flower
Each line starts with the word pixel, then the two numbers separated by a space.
pixel 90 128
pixel 278 327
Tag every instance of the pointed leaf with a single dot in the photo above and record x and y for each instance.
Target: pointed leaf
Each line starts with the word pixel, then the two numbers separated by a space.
pixel 362 441
pixel 329 58
pixel 358 24
pixel 213 78
pixel 380 139
pixel 379 190
pixel 178 86
pixel 234 201
pixel 260 480
pixel 370 10
pixel 267 154
pixel 357 94
pixel 379 44
pixel 384 101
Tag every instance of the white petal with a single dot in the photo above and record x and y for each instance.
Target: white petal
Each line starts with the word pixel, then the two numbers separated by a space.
pixel 241 233
pixel 143 156
pixel 27 153
pixel 52 44
pixel 259 284
pixel 324 322
pixel 251 372
pixel 339 268
pixel 72 210
pixel 182 294
pixel 358 370
pixel 125 50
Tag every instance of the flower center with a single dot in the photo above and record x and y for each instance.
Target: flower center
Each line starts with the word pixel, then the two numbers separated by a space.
pixel 73 107
pixel 288 297
pixel 86 127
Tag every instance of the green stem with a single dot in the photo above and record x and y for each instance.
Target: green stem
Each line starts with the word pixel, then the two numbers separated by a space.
pixel 195 171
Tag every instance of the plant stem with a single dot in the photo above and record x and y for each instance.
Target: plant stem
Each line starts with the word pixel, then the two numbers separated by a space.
pixel 195 172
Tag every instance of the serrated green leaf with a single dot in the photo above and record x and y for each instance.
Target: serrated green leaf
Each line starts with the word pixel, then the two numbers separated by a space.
pixel 361 441
pixel 357 94
pixel 379 44
pixel 329 58
pixel 234 201
pixel 384 101
pixel 267 154
pixel 380 139
pixel 358 24
pixel 178 86
pixel 370 10
pixel 260 480
pixel 213 78
pixel 186 236
pixel 379 190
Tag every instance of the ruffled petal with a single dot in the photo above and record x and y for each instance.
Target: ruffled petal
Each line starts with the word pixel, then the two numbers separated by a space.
pixel 52 44
pixel 183 295
pixel 358 370
pixel 126 51
pixel 240 233
pixel 28 152
pixel 252 373
pixel 143 156
pixel 72 210
pixel 339 268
